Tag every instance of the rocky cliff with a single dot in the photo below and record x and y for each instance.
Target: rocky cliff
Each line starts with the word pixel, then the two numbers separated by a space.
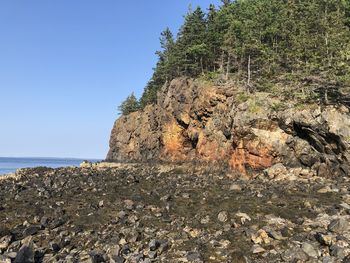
pixel 198 121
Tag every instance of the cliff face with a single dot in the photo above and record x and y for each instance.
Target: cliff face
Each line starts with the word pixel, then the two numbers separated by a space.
pixel 219 124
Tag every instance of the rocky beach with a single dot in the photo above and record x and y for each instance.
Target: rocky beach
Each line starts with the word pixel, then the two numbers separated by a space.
pixel 173 213
pixel 234 148
pixel 207 174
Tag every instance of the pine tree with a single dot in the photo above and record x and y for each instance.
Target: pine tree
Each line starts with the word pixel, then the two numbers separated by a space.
pixel 129 105
pixel 165 69
pixel 212 38
pixel 261 41
pixel 191 43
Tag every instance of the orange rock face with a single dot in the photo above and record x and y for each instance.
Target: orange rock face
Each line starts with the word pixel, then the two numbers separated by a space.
pixel 209 149
pixel 173 142
pixel 216 124
pixel 252 154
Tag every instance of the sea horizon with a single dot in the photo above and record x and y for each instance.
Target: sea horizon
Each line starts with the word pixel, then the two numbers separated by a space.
pixel 11 164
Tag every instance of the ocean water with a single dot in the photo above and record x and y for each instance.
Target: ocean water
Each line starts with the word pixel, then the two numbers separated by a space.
pixel 9 164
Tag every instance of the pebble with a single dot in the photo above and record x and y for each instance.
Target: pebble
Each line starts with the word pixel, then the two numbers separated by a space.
pixel 256 249
pixel 223 216
pixel 235 187
pixel 261 237
pixel 244 217
pixel 5 242
pixel 324 239
pixel 205 220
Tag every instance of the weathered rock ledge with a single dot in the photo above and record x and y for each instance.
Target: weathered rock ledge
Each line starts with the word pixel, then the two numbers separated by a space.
pixel 221 124
pixel 172 213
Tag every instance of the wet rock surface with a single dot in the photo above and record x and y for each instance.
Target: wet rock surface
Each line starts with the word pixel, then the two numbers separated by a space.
pixel 171 213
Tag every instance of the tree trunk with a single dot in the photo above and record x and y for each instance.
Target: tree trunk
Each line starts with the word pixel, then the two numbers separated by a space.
pixel 221 68
pixel 201 61
pixel 249 73
pixel 326 96
pixel 228 67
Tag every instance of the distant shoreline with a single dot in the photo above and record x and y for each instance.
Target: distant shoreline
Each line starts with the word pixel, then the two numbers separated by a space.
pixel 48 158
pixel 10 165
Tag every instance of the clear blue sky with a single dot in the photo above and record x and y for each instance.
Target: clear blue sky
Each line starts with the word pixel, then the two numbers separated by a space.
pixel 66 65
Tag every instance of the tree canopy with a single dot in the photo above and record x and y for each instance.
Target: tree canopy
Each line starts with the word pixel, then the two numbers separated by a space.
pixel 259 41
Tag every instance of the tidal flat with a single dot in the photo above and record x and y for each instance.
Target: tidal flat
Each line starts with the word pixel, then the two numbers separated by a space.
pixel 171 213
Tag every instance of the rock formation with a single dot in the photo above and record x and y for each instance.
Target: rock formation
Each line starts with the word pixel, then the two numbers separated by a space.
pixel 195 121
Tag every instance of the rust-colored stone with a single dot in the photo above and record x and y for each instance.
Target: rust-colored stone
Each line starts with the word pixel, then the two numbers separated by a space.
pixel 252 154
pixel 173 142
pixel 197 121
pixel 210 150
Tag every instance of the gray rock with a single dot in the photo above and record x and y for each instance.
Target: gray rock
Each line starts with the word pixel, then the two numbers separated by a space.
pixel 328 259
pixel 117 259
pixel 25 255
pixel 44 221
pixel 275 235
pixel 294 254
pixel 152 254
pixel 122 214
pixel 338 225
pixel 114 251
pixel 256 249
pixel 193 256
pixel 310 250
pixel 154 245
pixel 164 246
pixel 338 252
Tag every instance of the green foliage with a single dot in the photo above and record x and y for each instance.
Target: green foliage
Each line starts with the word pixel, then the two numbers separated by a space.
pixel 129 105
pixel 265 85
pixel 254 106
pixel 210 76
pixel 279 106
pixel 242 97
pixel 261 42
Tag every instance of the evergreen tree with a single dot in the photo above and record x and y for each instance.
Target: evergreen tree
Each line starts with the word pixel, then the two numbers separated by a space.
pixel 191 43
pixel 258 41
pixel 165 69
pixel 129 105
pixel 213 40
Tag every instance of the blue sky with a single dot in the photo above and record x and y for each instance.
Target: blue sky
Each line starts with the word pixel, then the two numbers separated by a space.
pixel 66 65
